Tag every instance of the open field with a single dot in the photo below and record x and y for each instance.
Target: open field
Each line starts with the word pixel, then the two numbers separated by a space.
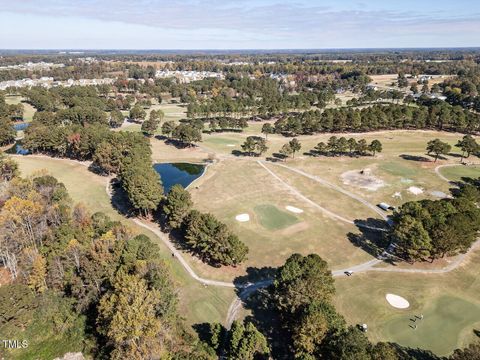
pixel 198 304
pixel 449 303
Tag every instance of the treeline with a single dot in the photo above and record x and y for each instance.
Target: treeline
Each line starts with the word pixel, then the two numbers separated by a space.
pixel 343 146
pixel 437 115
pixel 85 282
pixel 431 229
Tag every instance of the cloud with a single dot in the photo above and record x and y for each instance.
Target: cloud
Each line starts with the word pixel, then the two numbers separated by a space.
pixel 314 23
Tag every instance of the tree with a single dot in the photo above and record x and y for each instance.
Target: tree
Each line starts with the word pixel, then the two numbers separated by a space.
pixel 302 280
pixel 8 168
pixel 7 132
pixel 150 125
pixel 254 145
pixel 362 146
pixel 295 145
pixel 187 134
pixel 286 150
pixel 116 118
pixel 177 205
pixel 267 128
pixel 352 145
pixel 212 240
pixel 411 238
pixel 168 127
pixel 375 146
pixel 143 186
pixel 127 317
pixel 438 147
pixel 245 342
pixel 137 113
pixel 468 145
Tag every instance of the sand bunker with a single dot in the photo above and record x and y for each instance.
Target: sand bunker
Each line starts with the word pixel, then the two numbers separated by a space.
pixel 415 190
pixel 363 179
pixel 397 195
pixel 294 209
pixel 231 145
pixel 397 301
pixel 242 217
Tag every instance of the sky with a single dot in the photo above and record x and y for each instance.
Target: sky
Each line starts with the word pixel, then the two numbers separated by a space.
pixel 238 24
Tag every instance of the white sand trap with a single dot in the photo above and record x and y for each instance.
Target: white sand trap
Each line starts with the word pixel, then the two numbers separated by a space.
pixel 362 179
pixel 294 209
pixel 231 145
pixel 242 217
pixel 415 190
pixel 397 301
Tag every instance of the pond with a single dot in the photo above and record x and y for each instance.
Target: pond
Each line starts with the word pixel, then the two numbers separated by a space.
pixel 21 126
pixel 178 173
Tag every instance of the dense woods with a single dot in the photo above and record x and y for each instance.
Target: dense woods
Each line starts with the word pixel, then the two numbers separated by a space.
pixel 84 277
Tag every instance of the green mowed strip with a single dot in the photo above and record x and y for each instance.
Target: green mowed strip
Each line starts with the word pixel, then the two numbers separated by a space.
pixel 440 328
pixel 271 218
pixel 221 141
pixel 456 173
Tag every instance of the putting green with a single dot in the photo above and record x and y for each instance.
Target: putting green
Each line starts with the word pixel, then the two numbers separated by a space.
pixel 271 218
pixel 456 173
pixel 444 320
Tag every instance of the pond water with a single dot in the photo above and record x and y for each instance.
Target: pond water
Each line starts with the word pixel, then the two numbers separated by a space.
pixel 178 173
pixel 21 126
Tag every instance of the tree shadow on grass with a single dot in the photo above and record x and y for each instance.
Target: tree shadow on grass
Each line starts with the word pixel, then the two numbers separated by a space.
pixel 119 199
pixel 415 158
pixel 373 241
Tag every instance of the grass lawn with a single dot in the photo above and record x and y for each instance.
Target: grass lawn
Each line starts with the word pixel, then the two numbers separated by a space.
pixel 456 173
pixel 198 304
pixel 271 218
pixel 29 110
pixel 449 303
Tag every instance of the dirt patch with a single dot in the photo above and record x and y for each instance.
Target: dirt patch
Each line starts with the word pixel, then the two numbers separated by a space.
pixel 363 179
pixel 415 190
pixel 5 277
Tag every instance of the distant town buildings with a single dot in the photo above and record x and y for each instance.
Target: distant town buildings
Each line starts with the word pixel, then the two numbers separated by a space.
pixel 48 82
pixel 184 76
pixel 32 66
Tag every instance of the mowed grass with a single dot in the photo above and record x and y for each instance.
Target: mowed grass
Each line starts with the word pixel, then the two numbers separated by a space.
pixel 457 173
pixel 272 218
pixel 238 186
pixel 449 303
pixel 198 303
pixel 443 318
pixel 29 110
